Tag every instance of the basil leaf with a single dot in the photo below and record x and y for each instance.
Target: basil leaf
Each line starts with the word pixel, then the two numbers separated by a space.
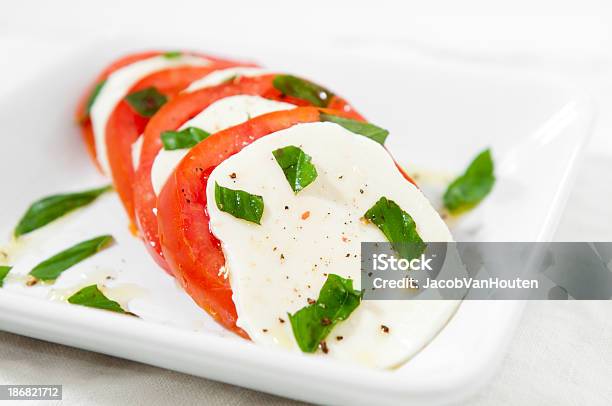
pixel 92 98
pixel 172 54
pixel 313 323
pixel 296 166
pixel 366 129
pixel 147 101
pixel 183 139
pixel 303 89
pixel 398 226
pixel 4 270
pixel 239 203
pixel 53 267
pixel 230 79
pixel 91 296
pixel 46 210
pixel 469 189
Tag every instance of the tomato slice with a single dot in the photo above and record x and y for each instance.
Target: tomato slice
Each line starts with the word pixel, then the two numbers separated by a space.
pixel 125 125
pixel 170 117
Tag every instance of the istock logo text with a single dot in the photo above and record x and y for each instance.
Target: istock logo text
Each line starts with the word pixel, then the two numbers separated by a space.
pixel 384 262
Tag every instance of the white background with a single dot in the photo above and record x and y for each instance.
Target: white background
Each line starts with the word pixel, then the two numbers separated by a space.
pixel 562 353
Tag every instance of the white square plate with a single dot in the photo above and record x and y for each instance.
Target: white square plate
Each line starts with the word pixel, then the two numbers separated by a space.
pixel 440 115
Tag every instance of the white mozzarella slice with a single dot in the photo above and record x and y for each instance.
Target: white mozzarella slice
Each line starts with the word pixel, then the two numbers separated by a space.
pixel 276 266
pixel 222 114
pixel 219 76
pixel 137 150
pixel 163 166
pixel 116 88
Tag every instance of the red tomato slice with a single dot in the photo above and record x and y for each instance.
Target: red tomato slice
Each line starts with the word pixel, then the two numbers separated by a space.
pixel 125 125
pixel 170 117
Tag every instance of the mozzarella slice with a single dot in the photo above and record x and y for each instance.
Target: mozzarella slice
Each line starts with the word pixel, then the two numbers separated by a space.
pixel 222 114
pixel 275 267
pixel 137 150
pixel 219 76
pixel 116 88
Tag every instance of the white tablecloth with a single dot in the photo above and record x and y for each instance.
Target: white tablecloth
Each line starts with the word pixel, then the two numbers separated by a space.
pixel 561 354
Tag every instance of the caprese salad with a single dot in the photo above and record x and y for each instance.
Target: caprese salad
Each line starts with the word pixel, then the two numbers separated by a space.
pixel 254 189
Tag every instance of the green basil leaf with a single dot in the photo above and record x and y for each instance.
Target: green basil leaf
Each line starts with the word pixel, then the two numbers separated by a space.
pixel 50 269
pixel 91 296
pixel 92 98
pixel 183 139
pixel 303 89
pixel 230 79
pixel 313 323
pixel 147 101
pixel 46 210
pixel 4 270
pixel 398 226
pixel 172 54
pixel 469 189
pixel 239 203
pixel 296 166
pixel 366 129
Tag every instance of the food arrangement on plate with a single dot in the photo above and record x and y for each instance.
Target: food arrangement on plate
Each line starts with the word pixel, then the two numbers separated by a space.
pixel 254 189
